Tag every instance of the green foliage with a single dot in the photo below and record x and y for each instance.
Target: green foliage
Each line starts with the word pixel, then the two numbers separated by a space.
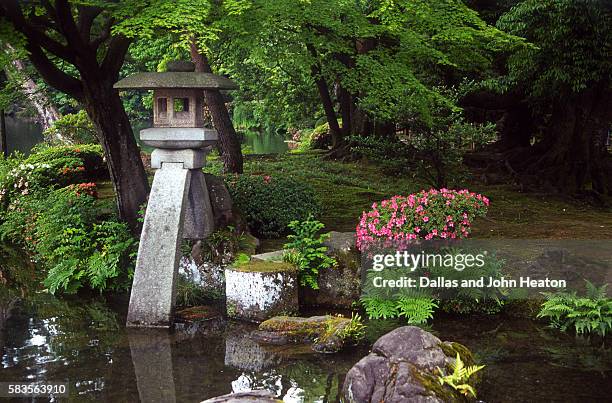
pixel 49 167
pixel 354 331
pixel 306 251
pixel 460 377
pixel 388 55
pixel 79 250
pixel 416 310
pixel 392 156
pixel 589 314
pixel 572 47
pixel 47 211
pixel 270 203
pixel 74 128
pixel 188 293
pixel 471 300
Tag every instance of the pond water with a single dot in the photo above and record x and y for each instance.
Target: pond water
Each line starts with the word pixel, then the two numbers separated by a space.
pixel 23 134
pixel 83 342
pixel 265 142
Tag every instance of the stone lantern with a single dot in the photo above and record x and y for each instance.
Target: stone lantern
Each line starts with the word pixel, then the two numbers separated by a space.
pixel 179 205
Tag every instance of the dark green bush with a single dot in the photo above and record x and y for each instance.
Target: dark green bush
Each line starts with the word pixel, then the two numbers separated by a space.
pixel 269 204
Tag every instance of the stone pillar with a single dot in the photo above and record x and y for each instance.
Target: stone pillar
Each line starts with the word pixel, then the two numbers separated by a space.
pixel 153 290
pixel 179 207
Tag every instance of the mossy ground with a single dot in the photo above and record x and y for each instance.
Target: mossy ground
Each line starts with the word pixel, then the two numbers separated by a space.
pixel 347 189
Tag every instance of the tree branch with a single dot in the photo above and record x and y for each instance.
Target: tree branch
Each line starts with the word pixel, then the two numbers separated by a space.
pixel 115 55
pixel 53 75
pixel 12 11
pixel 85 20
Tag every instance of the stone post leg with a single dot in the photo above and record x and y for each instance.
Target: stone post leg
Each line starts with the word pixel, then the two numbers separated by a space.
pixel 199 219
pixel 153 290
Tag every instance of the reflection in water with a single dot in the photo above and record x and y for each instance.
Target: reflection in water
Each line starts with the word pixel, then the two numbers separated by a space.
pixel 151 352
pixel 83 342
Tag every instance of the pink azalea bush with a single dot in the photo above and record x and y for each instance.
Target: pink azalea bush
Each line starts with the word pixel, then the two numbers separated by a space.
pixel 429 214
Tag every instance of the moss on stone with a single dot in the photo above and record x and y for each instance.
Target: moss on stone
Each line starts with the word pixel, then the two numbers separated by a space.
pixel 261 266
pixel 431 384
pixel 452 348
pixel 322 329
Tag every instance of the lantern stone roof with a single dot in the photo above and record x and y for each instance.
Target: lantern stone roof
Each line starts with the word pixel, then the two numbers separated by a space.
pixel 176 79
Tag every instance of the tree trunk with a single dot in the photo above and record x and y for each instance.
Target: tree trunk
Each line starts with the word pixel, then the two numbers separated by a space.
pixel 326 99
pixel 230 145
pixel 573 157
pixel 104 107
pixel 3 141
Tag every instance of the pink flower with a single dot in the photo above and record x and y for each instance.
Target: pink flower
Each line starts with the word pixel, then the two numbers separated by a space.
pixel 425 219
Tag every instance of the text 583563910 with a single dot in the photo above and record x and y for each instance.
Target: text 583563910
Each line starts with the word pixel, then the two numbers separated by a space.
pixel 21 389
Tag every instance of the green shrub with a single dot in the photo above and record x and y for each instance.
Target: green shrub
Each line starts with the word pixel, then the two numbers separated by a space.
pixel 306 251
pixel 55 218
pixel 589 314
pixel 49 167
pixel 73 127
pixel 269 203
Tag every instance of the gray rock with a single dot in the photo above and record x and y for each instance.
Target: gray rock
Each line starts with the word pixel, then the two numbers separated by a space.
pixel 258 290
pixel 259 396
pixel 340 241
pixel 339 287
pixel 221 202
pixel 402 367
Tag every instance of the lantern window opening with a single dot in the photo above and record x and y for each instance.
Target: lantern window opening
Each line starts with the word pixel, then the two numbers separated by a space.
pixel 162 106
pixel 180 105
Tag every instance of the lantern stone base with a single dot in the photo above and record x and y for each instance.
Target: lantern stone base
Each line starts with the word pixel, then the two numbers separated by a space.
pixel 191 159
pixel 260 290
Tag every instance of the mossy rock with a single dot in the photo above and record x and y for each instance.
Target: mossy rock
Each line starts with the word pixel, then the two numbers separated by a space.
pixel 325 333
pixel 407 363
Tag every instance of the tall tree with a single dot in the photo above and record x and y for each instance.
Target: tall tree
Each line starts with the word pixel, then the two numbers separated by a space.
pixel 231 154
pixel 80 34
pixel 568 83
pixel 373 63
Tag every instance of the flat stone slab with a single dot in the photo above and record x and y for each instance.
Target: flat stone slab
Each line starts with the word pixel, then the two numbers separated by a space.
pixel 254 396
pixel 259 290
pixel 274 256
pixel 178 137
